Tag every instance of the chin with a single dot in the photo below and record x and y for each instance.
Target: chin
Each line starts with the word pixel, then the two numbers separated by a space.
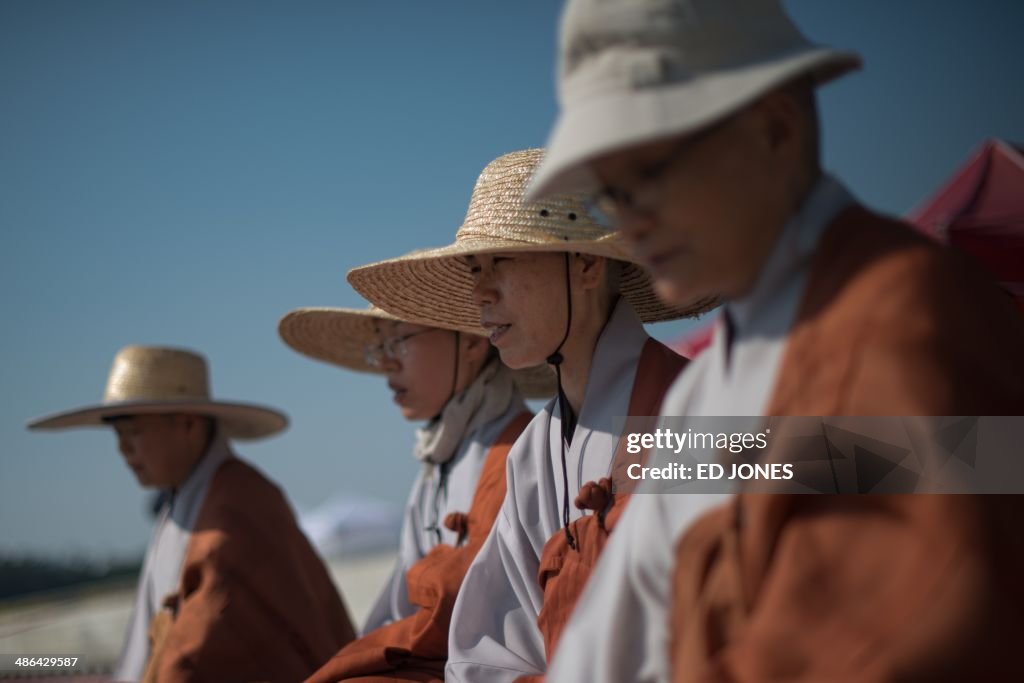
pixel 517 361
pixel 411 414
pixel 680 291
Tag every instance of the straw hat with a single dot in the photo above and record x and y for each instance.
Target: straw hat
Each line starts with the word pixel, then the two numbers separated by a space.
pixel 154 379
pixel 434 286
pixel 633 71
pixel 339 336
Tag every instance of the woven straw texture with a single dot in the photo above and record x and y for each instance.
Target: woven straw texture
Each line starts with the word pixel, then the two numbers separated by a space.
pixel 339 336
pixel 157 379
pixel 434 286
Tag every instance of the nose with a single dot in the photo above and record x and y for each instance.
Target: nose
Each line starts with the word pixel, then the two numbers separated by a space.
pixel 484 292
pixel 635 226
pixel 389 364
pixel 124 445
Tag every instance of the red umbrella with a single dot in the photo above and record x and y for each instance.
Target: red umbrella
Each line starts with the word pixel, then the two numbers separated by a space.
pixel 980 210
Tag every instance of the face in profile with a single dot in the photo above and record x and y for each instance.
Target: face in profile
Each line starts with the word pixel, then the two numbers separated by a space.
pixel 420 366
pixel 523 305
pixel 160 450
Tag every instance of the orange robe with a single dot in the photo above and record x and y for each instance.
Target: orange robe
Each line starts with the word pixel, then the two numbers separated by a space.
pixel 416 648
pixel 564 571
pixel 255 602
pixel 869 588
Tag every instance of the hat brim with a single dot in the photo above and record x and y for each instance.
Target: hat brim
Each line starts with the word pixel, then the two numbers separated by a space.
pixel 242 421
pixel 339 336
pixel 434 286
pixel 598 125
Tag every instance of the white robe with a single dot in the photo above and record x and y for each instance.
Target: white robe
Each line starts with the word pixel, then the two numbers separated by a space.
pixel 428 505
pixel 494 634
pixel 161 569
pixel 619 629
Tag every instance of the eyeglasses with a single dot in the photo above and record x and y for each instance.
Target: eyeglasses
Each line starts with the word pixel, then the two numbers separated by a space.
pixel 610 204
pixel 395 348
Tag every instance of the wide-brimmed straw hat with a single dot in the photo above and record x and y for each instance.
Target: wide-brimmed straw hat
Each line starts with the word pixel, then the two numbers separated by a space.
pixel 339 336
pixel 633 71
pixel 147 380
pixel 434 286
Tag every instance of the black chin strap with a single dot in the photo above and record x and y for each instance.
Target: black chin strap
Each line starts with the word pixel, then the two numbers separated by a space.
pixel 568 419
pixel 455 374
pixel 455 377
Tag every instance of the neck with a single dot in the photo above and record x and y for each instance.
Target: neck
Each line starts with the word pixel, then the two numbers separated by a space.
pixel 578 352
pixel 797 192
pixel 197 456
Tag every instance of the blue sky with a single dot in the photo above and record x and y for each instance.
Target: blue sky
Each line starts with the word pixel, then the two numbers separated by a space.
pixel 186 173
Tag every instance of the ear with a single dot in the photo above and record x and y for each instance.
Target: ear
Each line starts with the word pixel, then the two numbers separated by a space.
pixel 191 423
pixel 591 270
pixel 779 119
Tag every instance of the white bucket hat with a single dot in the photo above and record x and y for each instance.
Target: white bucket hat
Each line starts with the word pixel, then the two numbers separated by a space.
pixel 146 380
pixel 633 71
pixel 339 336
pixel 435 287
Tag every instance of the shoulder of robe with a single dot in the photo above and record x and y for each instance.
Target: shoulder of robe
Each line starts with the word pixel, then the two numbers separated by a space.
pixel 893 323
pixel 878 270
pixel 243 511
pixel 522 449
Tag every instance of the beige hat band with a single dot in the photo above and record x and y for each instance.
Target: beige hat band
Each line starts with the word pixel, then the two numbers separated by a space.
pixel 125 394
pixel 544 226
pixel 129 386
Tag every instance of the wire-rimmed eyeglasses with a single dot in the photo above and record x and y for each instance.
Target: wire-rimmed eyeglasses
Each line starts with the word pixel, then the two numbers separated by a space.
pixel 393 347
